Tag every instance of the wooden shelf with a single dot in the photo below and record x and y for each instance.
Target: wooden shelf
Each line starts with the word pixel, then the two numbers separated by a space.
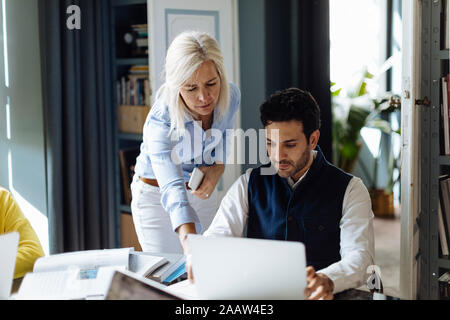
pixel 131 136
pixel 123 14
pixel 117 3
pixel 125 208
pixel 131 61
pixel 444 262
pixel 444 160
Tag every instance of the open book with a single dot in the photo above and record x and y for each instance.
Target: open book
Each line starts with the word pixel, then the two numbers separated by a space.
pixel 145 264
pixel 82 274
pixel 167 273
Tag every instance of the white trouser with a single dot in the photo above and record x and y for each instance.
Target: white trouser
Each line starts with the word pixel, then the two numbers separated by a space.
pixel 152 222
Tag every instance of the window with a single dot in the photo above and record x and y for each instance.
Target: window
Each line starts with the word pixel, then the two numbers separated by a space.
pixel 364 41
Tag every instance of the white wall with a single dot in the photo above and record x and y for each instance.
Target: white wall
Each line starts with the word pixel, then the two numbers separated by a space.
pixel 410 149
pixel 22 148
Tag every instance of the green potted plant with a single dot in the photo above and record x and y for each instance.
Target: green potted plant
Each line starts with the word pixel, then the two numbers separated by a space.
pixel 382 196
pixel 352 112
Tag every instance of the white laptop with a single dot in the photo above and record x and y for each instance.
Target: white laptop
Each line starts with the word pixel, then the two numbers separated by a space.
pixel 241 268
pixel 9 244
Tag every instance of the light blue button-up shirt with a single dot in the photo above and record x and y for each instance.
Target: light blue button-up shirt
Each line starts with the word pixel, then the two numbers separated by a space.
pixel 170 161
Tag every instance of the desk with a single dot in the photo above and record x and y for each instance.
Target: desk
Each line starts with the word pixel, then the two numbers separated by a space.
pixel 350 294
pixel 185 289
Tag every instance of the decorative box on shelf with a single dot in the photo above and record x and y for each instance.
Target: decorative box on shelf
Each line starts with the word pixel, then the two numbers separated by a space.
pixel 131 119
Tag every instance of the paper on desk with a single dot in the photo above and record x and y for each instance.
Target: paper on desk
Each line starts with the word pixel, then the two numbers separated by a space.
pixel 72 283
pixel 89 259
pixel 185 289
pixel 73 275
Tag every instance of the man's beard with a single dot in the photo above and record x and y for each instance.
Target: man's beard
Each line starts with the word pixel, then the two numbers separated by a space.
pixel 297 166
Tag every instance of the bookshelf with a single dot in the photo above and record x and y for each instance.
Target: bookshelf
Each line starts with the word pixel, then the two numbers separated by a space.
pixel 131 61
pixel 124 14
pixel 435 64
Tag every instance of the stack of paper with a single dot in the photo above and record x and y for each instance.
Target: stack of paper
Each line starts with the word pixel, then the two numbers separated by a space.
pixel 73 275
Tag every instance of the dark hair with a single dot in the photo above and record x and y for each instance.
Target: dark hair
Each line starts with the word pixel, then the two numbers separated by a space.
pixel 292 104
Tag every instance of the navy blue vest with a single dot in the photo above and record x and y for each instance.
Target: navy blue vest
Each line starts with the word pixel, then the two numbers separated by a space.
pixel 310 213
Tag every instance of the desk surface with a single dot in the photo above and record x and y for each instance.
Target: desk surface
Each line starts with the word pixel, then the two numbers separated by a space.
pixel 351 294
pixel 186 290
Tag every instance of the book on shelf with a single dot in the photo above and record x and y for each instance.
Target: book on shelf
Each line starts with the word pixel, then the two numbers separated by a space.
pixel 138 39
pixel 139 69
pixel 141 29
pixel 444 213
pixel 127 158
pixel 142 42
pixel 444 286
pixel 445 26
pixel 134 88
pixel 443 239
pixel 445 114
pixel 141 33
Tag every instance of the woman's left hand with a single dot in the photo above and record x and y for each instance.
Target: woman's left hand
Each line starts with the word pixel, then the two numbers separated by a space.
pixel 211 177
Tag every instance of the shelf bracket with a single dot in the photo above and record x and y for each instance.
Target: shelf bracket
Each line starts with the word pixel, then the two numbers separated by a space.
pixel 423 102
pixel 418 255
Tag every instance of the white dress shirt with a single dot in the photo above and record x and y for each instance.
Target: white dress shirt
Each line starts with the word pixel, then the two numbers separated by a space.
pixel 357 239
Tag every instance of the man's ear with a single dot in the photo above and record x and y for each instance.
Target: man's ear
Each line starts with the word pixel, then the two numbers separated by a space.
pixel 314 139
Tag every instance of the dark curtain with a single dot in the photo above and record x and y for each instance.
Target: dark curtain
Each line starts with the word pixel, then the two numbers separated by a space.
pixel 78 124
pixel 314 61
pixel 298 54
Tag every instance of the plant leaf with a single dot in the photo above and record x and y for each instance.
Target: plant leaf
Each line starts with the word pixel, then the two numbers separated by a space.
pixel 380 124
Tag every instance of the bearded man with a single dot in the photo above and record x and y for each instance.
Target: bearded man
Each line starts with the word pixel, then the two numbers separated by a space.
pixel 307 199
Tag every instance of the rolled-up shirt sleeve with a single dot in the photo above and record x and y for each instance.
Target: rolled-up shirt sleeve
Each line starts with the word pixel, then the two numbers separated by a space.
pixel 357 239
pixel 169 174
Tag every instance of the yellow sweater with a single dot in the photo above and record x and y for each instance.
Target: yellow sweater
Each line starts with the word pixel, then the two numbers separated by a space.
pixel 12 219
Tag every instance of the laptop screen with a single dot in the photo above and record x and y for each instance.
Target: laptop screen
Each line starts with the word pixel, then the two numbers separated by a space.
pixel 8 247
pixel 242 268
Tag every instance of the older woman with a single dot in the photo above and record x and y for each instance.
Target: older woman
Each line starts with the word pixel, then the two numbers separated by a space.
pixel 192 106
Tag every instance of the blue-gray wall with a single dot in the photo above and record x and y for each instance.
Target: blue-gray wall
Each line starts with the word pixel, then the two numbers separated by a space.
pixel 24 93
pixel 252 63
pixel 273 56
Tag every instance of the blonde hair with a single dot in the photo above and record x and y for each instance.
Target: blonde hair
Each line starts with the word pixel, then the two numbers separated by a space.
pixel 185 54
